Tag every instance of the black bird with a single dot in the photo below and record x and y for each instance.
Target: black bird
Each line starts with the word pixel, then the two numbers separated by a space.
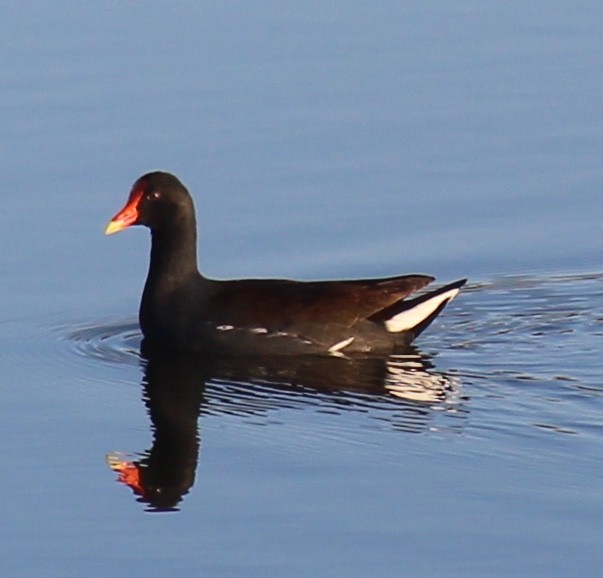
pixel 185 311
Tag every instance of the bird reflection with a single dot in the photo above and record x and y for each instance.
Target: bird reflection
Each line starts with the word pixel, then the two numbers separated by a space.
pixel 403 390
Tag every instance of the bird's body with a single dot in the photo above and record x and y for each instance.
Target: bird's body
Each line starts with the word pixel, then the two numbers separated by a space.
pixel 183 310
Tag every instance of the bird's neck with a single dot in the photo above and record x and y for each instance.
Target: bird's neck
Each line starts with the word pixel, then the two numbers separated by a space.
pixel 174 254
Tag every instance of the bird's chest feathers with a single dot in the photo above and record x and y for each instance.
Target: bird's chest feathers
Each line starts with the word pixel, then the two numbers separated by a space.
pixel 166 306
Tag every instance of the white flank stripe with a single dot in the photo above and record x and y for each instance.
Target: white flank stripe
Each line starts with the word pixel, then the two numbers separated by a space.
pixel 413 316
pixel 341 345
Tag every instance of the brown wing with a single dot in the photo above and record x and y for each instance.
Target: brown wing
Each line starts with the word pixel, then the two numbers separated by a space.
pixel 271 302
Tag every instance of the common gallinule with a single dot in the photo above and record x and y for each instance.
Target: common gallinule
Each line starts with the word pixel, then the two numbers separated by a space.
pixel 183 310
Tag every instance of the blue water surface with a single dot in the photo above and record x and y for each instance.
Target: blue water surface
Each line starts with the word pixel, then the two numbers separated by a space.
pixel 319 140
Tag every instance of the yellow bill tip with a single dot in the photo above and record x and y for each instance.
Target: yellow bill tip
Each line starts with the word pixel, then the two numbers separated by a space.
pixel 115 227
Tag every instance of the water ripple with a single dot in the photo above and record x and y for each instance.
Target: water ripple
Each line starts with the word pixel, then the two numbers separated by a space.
pixel 528 352
pixel 112 342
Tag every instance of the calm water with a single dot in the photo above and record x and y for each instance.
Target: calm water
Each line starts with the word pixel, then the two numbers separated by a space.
pixel 320 141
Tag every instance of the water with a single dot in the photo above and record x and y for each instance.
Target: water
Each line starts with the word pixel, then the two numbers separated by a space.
pixel 320 141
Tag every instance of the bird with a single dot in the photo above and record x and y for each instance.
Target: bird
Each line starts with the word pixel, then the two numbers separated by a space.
pixel 182 310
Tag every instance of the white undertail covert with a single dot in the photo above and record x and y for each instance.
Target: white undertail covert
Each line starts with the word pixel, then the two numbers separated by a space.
pixel 406 320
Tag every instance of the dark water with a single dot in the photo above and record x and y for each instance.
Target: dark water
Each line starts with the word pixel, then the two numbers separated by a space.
pixel 321 141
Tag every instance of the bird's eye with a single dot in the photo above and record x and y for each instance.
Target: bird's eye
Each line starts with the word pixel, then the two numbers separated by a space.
pixel 154 195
